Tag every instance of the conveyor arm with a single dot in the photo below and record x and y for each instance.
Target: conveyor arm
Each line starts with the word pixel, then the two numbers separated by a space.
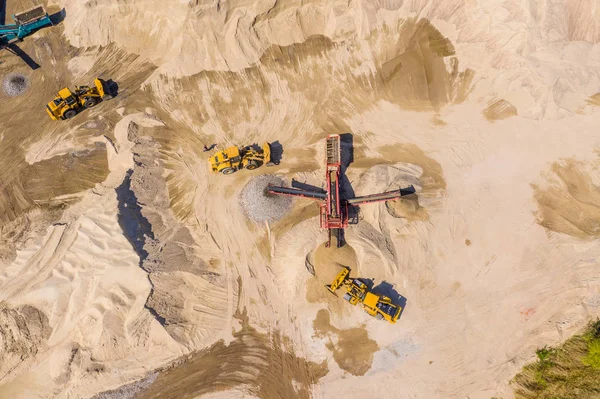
pixel 296 192
pixel 387 196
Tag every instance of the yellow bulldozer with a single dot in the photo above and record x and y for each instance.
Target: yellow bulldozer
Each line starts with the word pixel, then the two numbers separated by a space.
pixel 378 306
pixel 235 158
pixel 68 103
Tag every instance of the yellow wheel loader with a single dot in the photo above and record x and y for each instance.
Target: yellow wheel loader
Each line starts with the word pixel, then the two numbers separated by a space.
pixel 68 103
pixel 378 306
pixel 234 158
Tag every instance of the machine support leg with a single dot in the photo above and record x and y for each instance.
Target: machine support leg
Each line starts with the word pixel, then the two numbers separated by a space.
pixel 340 238
pixel 328 243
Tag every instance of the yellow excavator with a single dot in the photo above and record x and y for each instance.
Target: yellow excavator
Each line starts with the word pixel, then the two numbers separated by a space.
pixel 378 306
pixel 68 103
pixel 235 158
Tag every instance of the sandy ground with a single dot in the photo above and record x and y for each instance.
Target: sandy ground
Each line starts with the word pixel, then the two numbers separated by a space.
pixel 127 268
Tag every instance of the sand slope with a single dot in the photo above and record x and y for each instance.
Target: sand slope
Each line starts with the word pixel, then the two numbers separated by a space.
pixel 122 258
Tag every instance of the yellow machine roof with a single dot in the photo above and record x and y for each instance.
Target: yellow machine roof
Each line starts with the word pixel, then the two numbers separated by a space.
pixel 64 93
pixel 224 156
pixel 371 300
pixel 231 152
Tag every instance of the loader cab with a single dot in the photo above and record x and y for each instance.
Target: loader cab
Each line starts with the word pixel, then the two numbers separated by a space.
pixel 356 291
pixel 381 307
pixel 229 158
pixel 229 155
pixel 66 95
pixel 387 308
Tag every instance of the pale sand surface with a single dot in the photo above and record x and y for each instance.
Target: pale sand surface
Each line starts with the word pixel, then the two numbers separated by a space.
pixel 123 259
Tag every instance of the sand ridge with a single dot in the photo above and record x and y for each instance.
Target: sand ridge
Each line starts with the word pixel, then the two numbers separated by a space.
pixel 137 255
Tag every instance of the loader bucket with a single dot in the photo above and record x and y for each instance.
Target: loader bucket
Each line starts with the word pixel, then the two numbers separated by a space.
pixel 103 90
pixel 267 154
pixel 339 280
pixel 31 15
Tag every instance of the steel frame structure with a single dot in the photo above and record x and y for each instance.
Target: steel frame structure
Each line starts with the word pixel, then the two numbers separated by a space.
pixel 333 208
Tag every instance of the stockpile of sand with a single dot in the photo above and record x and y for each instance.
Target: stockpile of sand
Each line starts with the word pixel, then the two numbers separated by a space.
pixel 329 261
pixel 23 332
pixel 260 206
pixel 470 256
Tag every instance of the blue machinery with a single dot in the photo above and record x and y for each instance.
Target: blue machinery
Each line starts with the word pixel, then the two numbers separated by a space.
pixel 25 24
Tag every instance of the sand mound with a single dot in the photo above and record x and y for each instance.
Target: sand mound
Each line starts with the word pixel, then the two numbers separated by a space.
pixel 260 206
pixel 15 84
pixel 246 362
pixel 328 261
pixel 22 331
pixel 294 71
pixel 570 203
pixel 403 208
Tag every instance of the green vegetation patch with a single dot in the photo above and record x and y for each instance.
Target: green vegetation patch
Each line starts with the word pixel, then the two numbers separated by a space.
pixel 571 371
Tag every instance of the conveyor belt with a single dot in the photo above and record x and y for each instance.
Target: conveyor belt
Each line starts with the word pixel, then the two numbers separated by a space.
pixel 333 192
pixel 33 14
pixel 333 150
pixel 296 192
pixel 387 196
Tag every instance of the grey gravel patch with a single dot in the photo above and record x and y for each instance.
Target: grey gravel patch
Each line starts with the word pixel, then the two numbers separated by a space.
pixel 15 84
pixel 594 301
pixel 128 391
pixel 260 206
pixel 393 354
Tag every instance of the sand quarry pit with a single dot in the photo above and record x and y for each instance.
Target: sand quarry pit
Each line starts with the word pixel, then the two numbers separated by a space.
pixel 128 268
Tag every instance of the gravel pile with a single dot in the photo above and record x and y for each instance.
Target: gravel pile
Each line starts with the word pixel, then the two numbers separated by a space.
pixel 128 391
pixel 15 84
pixel 260 206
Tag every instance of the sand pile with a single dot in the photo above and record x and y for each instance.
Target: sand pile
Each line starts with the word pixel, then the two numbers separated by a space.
pixel 15 84
pixel 328 261
pixel 428 186
pixel 23 330
pixel 260 206
pixel 472 257
pixel 407 208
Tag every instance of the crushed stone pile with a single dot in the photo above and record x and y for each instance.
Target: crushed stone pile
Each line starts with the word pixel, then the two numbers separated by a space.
pixel 260 206
pixel 128 391
pixel 15 84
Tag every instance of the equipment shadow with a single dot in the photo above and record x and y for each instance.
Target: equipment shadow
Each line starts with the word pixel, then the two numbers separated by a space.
pixel 2 12
pixel 58 16
pixel 113 87
pixel 16 50
pixel 387 289
pixel 346 190
pixel 276 152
